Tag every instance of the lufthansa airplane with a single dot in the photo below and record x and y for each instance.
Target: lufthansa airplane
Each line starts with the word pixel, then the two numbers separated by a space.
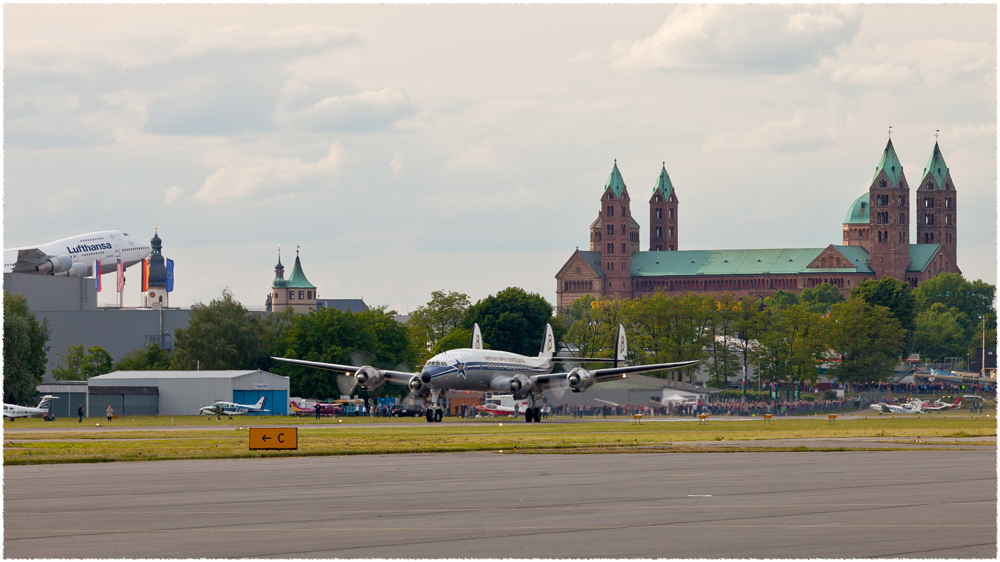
pixel 481 369
pixel 74 256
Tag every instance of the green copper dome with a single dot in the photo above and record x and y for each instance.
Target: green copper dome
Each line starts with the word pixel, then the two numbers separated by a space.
pixel 857 213
pixel 889 163
pixel 663 183
pixel 615 182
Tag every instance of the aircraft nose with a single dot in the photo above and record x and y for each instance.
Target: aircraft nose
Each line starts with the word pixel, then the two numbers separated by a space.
pixel 425 377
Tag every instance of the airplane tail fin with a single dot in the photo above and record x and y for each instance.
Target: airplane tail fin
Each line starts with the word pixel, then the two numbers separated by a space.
pixel 957 404
pixel 260 403
pixel 477 337
pixel 548 343
pixel 45 401
pixel 621 347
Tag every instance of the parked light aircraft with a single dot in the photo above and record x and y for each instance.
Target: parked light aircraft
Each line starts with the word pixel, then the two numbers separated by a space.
pixel 938 406
pixel 502 405
pixel 913 407
pixel 325 409
pixel 13 411
pixel 231 409
pixel 476 368
pixel 74 256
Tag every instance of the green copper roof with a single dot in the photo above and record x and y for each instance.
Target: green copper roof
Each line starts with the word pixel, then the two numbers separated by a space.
pixel 921 256
pixel 857 213
pixel 789 261
pixel 593 259
pixel 297 280
pixel 615 181
pixel 936 168
pixel 663 184
pixel 889 163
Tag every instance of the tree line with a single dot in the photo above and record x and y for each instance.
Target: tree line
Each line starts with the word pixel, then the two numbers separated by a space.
pixel 783 337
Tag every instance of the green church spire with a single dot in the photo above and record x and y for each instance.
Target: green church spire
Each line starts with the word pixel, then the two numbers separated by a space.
pixel 615 182
pixel 889 163
pixel 663 183
pixel 936 167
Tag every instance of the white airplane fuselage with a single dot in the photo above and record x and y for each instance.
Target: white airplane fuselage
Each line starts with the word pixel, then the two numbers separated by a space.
pixel 477 369
pixel 15 411
pixel 74 256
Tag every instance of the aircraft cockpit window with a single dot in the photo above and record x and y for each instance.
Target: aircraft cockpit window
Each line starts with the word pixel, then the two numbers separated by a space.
pixel 126 234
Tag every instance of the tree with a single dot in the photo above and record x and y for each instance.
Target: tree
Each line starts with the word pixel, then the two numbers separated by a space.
pixel 221 335
pixel 24 349
pixel 153 358
pixel 951 289
pixel 781 299
pixel 724 361
pixel 456 339
pixel 442 314
pixel 894 295
pixel 512 320
pixel 750 327
pixel 79 365
pixel 821 298
pixel 793 344
pixel 330 336
pixel 867 339
pixel 941 331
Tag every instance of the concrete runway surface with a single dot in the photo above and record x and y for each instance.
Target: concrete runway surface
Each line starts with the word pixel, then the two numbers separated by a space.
pixel 911 504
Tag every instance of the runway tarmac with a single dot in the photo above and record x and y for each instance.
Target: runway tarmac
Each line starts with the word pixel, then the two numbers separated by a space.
pixel 912 504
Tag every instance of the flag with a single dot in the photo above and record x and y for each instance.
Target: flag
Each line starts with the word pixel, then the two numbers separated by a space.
pixel 170 276
pixel 121 277
pixel 97 275
pixel 145 275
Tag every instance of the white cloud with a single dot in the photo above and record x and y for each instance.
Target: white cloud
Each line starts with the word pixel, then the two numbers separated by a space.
pixel 750 37
pixel 482 157
pixel 261 177
pixel 926 63
pixel 173 194
pixel 397 164
pixel 808 130
pixel 371 110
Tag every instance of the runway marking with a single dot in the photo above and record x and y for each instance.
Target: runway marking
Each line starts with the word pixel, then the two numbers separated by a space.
pixel 699 495
pixel 536 528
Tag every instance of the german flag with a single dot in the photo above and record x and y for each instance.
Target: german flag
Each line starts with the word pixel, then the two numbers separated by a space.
pixel 145 275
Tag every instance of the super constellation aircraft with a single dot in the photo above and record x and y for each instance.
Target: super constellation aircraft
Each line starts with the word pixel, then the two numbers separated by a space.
pixel 74 256
pixel 476 368
pixel 231 409
pixel 14 411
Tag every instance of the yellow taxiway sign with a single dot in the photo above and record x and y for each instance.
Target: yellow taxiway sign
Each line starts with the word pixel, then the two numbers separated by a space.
pixel 274 438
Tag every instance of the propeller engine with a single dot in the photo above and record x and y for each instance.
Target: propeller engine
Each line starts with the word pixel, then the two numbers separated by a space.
pixel 580 380
pixel 520 384
pixel 55 265
pixel 417 386
pixel 369 378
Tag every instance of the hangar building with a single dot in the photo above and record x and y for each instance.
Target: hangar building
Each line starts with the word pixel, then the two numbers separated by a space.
pixel 183 393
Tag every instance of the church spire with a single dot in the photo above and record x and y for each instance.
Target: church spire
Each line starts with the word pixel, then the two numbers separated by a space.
pixel 615 182
pixel 890 164
pixel 936 167
pixel 663 184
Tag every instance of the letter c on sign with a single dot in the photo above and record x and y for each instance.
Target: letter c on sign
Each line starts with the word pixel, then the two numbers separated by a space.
pixel 280 440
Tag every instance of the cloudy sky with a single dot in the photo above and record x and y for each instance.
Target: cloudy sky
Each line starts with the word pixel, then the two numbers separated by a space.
pixel 407 149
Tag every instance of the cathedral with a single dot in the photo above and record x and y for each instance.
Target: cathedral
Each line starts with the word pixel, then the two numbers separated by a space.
pixel 876 243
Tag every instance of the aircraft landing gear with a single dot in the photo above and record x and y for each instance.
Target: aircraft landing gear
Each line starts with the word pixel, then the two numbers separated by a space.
pixel 434 413
pixel 533 415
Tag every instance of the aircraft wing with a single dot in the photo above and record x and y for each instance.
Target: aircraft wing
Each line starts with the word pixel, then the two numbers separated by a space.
pixel 603 375
pixel 28 258
pixel 395 377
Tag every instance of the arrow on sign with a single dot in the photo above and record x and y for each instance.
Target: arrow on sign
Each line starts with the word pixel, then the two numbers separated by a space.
pixel 265 438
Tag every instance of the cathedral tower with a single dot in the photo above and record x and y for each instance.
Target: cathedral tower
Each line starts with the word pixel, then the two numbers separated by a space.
pixel 663 214
pixel 156 294
pixel 889 214
pixel 936 206
pixel 616 237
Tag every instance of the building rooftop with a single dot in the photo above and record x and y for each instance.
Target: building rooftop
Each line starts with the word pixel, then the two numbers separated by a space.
pixel 889 163
pixel 857 213
pixel 117 375
pixel 615 182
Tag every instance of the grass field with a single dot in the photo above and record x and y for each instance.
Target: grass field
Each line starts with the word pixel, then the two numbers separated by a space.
pixel 189 438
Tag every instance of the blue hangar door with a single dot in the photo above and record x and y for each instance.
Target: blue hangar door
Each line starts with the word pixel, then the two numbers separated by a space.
pixel 277 400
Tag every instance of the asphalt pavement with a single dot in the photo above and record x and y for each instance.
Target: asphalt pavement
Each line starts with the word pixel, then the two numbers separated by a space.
pixel 855 504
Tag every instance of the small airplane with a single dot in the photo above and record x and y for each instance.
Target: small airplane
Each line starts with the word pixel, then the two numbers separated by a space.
pixel 75 256
pixel 476 368
pixel 231 409
pixel 325 409
pixel 913 407
pixel 502 405
pixel 681 398
pixel 938 406
pixel 13 411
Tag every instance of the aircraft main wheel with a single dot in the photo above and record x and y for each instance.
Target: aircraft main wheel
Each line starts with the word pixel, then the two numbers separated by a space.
pixel 429 415
pixel 528 416
pixel 538 415
pixel 438 415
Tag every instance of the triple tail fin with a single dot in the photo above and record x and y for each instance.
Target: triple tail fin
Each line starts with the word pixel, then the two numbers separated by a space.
pixel 621 347
pixel 477 338
pixel 548 343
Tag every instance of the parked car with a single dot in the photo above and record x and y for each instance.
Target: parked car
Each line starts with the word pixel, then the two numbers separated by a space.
pixel 407 410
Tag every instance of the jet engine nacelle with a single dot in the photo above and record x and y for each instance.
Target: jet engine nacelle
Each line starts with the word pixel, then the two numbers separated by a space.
pixel 78 270
pixel 580 379
pixel 55 265
pixel 369 378
pixel 520 384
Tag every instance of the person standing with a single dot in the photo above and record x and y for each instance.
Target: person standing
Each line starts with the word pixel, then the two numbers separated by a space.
pixel 317 410
pixel 79 412
pixel 110 412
